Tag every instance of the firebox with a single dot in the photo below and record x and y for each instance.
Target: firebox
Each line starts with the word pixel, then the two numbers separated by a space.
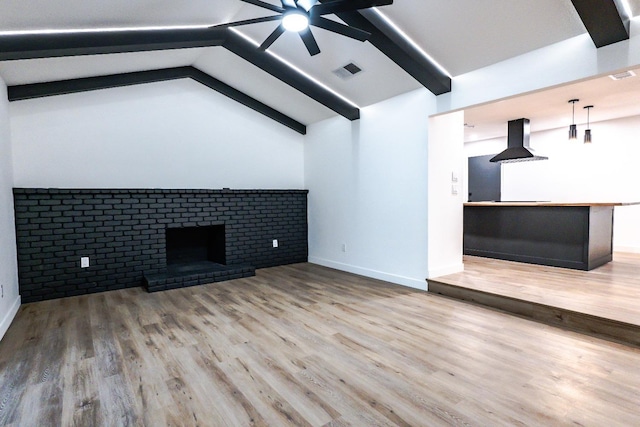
pixel 195 246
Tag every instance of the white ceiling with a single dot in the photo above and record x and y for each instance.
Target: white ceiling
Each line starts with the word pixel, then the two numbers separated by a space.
pixel 462 35
pixel 550 108
pixel 223 65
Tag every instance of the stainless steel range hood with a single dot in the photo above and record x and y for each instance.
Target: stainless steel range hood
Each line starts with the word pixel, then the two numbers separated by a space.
pixel 518 149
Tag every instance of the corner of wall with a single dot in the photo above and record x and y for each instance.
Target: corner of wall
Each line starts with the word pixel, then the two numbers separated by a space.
pixel 367 184
pixel 445 190
pixel 10 300
pixel 9 315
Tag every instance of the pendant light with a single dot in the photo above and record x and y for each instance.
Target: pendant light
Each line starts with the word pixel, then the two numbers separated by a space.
pixel 587 133
pixel 573 130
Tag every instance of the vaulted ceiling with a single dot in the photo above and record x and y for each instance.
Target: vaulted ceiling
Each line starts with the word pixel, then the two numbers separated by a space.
pixel 415 43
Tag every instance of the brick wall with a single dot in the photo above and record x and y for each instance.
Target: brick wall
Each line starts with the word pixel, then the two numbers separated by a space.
pixel 122 231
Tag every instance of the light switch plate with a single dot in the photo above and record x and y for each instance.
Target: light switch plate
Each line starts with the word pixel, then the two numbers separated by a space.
pixel 84 262
pixel 454 177
pixel 275 243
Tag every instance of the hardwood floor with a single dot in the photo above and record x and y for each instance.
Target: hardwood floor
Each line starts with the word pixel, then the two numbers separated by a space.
pixel 611 291
pixel 602 302
pixel 304 345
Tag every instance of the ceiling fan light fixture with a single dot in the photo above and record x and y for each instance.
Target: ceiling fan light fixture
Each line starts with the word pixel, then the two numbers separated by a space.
pixel 295 21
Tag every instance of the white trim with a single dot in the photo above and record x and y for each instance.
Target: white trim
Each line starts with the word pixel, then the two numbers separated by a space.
pixel 456 268
pixel 629 249
pixel 46 31
pixel 8 318
pixel 374 274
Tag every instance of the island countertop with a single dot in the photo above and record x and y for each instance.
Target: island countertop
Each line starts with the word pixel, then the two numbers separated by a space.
pixel 563 204
pixel 560 234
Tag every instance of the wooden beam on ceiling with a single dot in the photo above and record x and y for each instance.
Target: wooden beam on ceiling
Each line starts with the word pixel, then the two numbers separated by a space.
pixel 388 41
pixel 29 46
pixel 246 100
pixel 62 87
pixel 279 70
pixel 604 20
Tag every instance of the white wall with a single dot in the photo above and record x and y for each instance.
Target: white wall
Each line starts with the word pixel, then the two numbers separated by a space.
pixel 445 217
pixel 367 184
pixel 174 134
pixel 561 63
pixel 604 171
pixel 9 298
pixel 567 61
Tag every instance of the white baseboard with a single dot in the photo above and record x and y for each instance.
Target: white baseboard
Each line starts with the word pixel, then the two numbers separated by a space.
pixel 8 318
pixel 628 249
pixel 374 274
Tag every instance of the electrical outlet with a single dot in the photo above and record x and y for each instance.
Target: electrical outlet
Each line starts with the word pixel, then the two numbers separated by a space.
pixel 275 243
pixel 2 290
pixel 344 247
pixel 84 262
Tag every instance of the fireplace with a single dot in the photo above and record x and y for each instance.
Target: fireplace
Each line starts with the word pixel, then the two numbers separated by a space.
pixel 195 256
pixel 195 245
pixel 124 234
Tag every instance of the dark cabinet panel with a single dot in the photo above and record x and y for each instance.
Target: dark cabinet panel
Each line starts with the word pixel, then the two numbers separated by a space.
pixel 484 179
pixel 578 237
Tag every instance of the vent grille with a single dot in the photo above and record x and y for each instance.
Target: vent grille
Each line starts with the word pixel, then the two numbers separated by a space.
pixel 622 75
pixel 347 71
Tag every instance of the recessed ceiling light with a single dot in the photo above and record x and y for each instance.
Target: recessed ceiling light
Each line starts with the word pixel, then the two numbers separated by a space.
pixel 622 75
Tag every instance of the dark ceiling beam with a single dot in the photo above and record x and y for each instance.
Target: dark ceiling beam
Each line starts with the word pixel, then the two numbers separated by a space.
pixel 246 100
pixel 63 87
pixel 604 20
pixel 29 46
pixel 279 70
pixel 85 84
pixel 387 40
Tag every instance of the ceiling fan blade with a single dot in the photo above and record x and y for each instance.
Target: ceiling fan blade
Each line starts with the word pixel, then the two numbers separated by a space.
pixel 248 21
pixel 265 5
pixel 288 3
pixel 338 6
pixel 309 42
pixel 272 37
pixel 336 27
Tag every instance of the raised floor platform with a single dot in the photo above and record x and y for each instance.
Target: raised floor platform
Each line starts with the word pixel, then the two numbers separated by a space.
pixel 195 273
pixel 604 302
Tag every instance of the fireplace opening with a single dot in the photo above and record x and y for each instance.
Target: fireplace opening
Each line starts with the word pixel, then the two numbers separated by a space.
pixel 192 249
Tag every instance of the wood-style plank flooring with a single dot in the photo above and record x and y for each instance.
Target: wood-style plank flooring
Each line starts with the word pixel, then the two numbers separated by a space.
pixel 611 291
pixel 303 345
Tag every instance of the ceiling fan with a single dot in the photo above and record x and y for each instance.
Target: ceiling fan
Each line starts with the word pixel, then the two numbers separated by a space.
pixel 298 15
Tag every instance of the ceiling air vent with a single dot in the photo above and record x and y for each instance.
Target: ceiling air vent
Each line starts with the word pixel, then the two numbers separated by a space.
pixel 622 75
pixel 347 71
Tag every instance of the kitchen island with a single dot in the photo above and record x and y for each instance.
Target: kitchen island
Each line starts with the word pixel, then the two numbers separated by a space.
pixel 570 235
